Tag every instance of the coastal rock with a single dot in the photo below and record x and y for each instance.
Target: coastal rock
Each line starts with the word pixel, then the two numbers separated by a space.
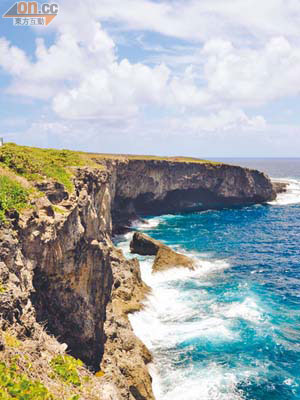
pixel 166 258
pixel 125 356
pixel 144 245
pixel 280 187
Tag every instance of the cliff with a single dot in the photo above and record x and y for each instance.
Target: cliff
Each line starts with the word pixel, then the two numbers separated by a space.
pixel 64 286
pixel 155 187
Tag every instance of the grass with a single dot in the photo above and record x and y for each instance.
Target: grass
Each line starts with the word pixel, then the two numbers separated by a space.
pixel 13 196
pixel 32 164
pixel 36 164
pixel 151 158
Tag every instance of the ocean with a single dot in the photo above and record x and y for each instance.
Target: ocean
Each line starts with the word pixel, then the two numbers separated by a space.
pixel 230 330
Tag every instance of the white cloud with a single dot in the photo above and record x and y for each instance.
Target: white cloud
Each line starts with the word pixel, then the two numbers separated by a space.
pixel 236 59
pixel 201 20
pixel 222 121
pixel 252 76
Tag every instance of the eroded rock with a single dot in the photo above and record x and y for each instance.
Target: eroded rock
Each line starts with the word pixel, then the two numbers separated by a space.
pixel 144 245
pixel 167 258
pixel 280 187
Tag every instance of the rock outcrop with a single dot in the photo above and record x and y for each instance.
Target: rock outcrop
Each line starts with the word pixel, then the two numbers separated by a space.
pixel 166 258
pixel 144 245
pixel 280 187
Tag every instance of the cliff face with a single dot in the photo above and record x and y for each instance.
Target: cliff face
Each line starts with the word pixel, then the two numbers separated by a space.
pixel 62 270
pixel 160 187
pixel 70 277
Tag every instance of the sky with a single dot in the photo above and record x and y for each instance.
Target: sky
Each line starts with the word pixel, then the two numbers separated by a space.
pixel 202 78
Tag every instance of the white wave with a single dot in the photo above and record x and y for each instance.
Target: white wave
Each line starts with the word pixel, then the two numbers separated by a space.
pixel 292 194
pixel 248 310
pixel 147 224
pixel 209 383
pixel 123 241
pixel 173 316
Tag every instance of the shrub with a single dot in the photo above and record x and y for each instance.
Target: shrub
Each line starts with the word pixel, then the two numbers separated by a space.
pixel 66 367
pixel 14 385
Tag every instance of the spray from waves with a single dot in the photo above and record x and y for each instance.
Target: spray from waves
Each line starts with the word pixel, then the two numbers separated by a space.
pixel 175 320
pixel 292 194
pixel 146 224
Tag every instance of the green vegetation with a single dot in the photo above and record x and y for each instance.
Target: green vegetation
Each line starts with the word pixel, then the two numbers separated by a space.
pixel 66 367
pixel 11 341
pixel 12 196
pixel 151 158
pixel 3 288
pixel 16 385
pixel 36 164
pixel 58 210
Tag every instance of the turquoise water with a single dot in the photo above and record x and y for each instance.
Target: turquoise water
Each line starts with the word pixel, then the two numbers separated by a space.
pixel 230 329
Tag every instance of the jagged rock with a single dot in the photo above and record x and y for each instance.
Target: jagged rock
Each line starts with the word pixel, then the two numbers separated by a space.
pixel 166 258
pixel 144 245
pixel 280 187
pixel 55 191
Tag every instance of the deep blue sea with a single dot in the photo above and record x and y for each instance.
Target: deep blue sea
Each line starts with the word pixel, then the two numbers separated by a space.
pixel 230 330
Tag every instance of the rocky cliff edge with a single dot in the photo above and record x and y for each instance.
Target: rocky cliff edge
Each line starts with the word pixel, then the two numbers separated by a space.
pixel 65 288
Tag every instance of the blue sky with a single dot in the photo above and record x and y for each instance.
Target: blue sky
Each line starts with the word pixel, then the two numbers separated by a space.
pixel 206 78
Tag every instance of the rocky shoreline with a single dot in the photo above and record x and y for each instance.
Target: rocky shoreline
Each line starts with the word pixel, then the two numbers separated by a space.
pixel 64 277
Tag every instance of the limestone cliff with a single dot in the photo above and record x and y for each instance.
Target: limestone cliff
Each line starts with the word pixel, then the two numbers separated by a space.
pixel 70 277
pixel 160 187
pixel 61 270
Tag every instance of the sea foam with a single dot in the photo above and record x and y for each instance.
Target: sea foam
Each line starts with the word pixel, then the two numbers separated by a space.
pixel 172 316
pixel 292 194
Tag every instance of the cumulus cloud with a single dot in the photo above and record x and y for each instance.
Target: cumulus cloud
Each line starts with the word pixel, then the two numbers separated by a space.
pixel 221 121
pixel 252 76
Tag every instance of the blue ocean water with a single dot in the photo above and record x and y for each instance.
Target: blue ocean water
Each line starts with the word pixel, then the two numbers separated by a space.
pixel 229 330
